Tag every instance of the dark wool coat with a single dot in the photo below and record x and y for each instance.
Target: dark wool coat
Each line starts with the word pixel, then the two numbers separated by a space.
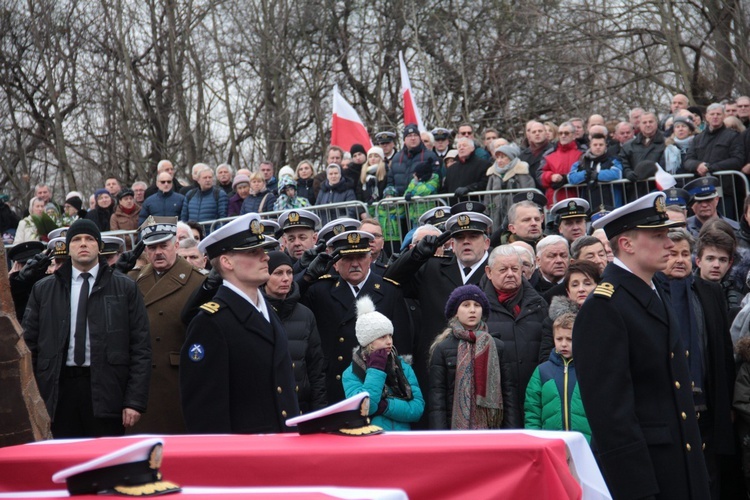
pixel 636 388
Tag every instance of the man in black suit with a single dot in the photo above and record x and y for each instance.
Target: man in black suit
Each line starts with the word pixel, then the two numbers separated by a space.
pixel 633 373
pixel 236 375
pixel 332 299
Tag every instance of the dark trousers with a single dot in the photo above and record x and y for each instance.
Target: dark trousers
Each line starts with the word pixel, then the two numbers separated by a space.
pixel 74 415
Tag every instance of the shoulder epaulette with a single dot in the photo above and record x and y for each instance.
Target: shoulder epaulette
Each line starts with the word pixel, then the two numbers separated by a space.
pixel 326 276
pixel 604 290
pixel 204 272
pixel 389 280
pixel 211 307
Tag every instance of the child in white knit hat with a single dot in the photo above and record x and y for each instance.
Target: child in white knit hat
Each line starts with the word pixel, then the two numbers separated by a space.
pixel 395 397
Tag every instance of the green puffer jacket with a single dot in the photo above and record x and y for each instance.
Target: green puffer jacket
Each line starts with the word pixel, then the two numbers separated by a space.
pixel 545 408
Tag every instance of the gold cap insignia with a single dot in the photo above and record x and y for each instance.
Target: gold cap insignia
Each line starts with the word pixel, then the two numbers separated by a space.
pixel 440 213
pixel 338 229
pixel 60 247
pixel 255 227
pixel 353 239
pixel 572 206
pixel 293 217
pixel 659 204
pixel 464 220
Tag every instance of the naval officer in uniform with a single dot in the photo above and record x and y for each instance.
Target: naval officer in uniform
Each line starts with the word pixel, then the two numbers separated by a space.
pixel 236 375
pixel 632 368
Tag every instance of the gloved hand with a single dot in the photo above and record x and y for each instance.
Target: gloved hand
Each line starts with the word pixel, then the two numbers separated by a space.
pixel 425 248
pixel 36 267
pixel 377 359
pixel 310 254
pixel 212 281
pixel 408 196
pixel 631 176
pixel 127 261
pixel 462 191
pixel 319 266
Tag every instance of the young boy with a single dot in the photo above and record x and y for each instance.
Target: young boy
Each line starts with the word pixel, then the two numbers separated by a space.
pixel 553 401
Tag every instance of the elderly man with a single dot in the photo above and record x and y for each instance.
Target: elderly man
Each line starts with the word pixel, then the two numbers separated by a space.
pixel 635 119
pixel 624 131
pixel 467 130
pixel 552 257
pixel 139 191
pixel 555 166
pixel 431 279
pixel 188 250
pixel 633 374
pixel 332 299
pixel 236 375
pixel 647 145
pixel 166 202
pixel 704 203
pixel 516 315
pixel 469 172
pixel 166 284
pixel 88 333
pixel 699 308
pixel 205 202
pixel 225 175
pixel 539 146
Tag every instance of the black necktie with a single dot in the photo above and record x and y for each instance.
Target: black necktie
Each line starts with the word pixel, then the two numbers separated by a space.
pixel 356 290
pixel 467 270
pixel 79 355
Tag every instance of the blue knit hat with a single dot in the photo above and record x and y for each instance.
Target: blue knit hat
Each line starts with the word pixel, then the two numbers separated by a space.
pixel 463 293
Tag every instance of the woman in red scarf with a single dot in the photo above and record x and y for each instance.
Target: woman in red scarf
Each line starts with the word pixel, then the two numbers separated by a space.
pixel 469 385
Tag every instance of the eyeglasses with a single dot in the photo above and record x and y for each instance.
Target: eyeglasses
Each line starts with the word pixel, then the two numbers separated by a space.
pixel 565 133
pixel 165 182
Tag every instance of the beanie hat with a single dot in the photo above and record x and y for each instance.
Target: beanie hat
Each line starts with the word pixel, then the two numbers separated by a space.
pixel 239 179
pixel 125 192
pixel 276 259
pixel 423 170
pixel 286 170
pixel 357 148
pixel 75 202
pixel 411 129
pixel 83 226
pixel 100 192
pixel 464 293
pixel 510 150
pixel 378 151
pixel 371 325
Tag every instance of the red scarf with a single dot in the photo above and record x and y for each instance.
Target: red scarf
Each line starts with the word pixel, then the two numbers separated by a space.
pixel 130 210
pixel 505 297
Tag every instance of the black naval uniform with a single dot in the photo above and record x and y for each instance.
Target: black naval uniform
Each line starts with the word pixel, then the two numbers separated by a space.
pixel 334 305
pixel 235 371
pixel 635 385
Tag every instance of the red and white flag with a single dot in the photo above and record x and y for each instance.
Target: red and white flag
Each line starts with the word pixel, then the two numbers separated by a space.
pixel 346 126
pixel 411 111
pixel 664 180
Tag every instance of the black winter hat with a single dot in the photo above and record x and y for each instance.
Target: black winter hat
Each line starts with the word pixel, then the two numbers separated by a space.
pixel 75 202
pixel 83 226
pixel 463 293
pixel 423 170
pixel 357 148
pixel 276 259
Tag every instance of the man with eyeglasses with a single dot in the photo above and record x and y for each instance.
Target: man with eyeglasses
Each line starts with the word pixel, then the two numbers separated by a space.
pixel 555 166
pixel 467 130
pixel 168 167
pixel 166 202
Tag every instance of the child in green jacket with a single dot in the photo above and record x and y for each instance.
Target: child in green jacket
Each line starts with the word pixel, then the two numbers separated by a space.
pixel 553 400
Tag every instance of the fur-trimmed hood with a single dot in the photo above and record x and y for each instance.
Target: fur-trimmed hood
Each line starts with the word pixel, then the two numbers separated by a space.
pixel 743 348
pixel 520 168
pixel 560 305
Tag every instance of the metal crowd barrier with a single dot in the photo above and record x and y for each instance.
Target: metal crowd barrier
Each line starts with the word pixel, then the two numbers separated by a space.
pixel 326 212
pixel 733 189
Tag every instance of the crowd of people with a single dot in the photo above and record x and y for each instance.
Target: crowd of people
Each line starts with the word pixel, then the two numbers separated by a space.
pixel 466 321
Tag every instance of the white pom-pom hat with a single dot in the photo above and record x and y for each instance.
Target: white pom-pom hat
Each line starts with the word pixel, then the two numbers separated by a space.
pixel 371 325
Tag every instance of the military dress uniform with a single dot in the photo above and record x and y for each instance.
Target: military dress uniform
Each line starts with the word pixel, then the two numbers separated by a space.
pixel 634 378
pixel 334 305
pixel 236 374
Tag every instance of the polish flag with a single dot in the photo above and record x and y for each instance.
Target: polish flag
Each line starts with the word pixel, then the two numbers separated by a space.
pixel 664 180
pixel 411 111
pixel 346 127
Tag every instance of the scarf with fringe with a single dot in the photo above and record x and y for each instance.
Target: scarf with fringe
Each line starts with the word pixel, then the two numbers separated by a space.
pixel 477 396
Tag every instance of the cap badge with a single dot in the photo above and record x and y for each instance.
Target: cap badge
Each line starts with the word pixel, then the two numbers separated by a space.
pixel 464 220
pixel 256 228
pixel 353 239
pixel 440 213
pixel 60 247
pixel 659 205
pixel 64 232
pixel 196 353
pixel 469 206
pixel 154 460
pixel 150 221
pixel 294 218
pixel 572 207
pixel 529 195
pixel 338 229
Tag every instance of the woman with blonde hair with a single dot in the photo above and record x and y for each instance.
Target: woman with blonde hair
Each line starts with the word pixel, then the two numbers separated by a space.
pixel 304 174
pixel 27 230
pixel 373 176
pixel 551 130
